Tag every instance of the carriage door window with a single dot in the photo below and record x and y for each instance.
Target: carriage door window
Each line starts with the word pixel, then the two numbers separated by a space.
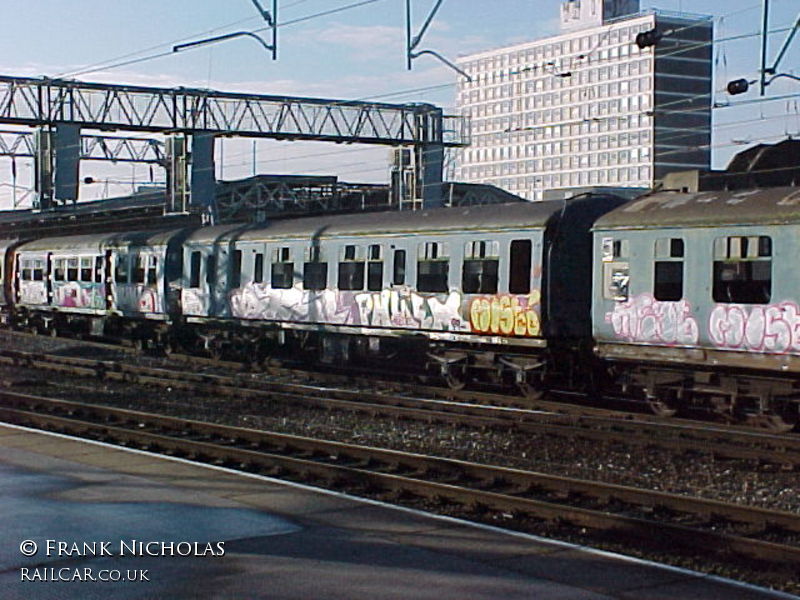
pixel 743 269
pixel 87 273
pixel 668 272
pixel 194 270
pixel 121 271
pixel 236 269
pixel 399 268
pixel 38 270
pixel 616 270
pixel 211 269
pixel 351 269
pixel 481 260
pixel 140 268
pixel 282 269
pixel 98 269
pixel 152 270
pixel 60 269
pixel 72 269
pixel 315 272
pixel 375 268
pixel 433 267
pixel 519 269
pixel 258 268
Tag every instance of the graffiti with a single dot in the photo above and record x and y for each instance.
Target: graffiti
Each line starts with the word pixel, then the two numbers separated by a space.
pixel 74 294
pixel 770 328
pixel 32 292
pixel 137 298
pixel 645 319
pixel 193 302
pixel 399 307
pixel 506 314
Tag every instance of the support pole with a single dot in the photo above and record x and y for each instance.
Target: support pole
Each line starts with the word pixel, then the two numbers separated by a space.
pixel 764 36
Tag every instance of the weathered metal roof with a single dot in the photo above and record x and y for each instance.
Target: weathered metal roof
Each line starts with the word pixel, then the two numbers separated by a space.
pixel 512 216
pixel 706 209
pixel 101 241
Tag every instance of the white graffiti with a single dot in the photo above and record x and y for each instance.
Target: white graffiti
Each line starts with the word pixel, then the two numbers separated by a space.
pixel 769 328
pixel 399 307
pixel 32 292
pixel 645 319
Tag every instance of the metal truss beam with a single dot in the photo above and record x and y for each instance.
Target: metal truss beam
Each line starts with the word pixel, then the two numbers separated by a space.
pixel 26 101
pixel 22 144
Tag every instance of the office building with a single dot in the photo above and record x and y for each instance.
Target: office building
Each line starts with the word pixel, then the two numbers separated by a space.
pixel 590 108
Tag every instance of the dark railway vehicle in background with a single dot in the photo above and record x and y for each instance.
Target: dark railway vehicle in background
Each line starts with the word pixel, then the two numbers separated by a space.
pixel 695 302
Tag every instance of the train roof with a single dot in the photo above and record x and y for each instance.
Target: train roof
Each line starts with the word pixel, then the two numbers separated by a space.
pixel 100 241
pixel 512 216
pixel 768 206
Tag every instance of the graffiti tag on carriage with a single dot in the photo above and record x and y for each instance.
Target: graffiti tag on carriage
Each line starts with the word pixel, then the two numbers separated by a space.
pixel 33 292
pixel 193 302
pixel 769 328
pixel 408 309
pixel 645 319
pixel 79 295
pixel 506 314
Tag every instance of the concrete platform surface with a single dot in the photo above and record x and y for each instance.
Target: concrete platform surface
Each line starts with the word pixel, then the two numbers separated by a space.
pixel 86 520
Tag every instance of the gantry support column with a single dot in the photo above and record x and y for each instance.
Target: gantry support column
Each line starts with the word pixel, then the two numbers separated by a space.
pixel 429 156
pixel 57 164
pixel 191 181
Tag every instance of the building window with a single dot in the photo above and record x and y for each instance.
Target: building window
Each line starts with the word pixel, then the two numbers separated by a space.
pixel 743 269
pixel 668 270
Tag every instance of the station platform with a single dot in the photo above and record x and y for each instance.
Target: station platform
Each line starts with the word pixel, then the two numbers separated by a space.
pixel 71 510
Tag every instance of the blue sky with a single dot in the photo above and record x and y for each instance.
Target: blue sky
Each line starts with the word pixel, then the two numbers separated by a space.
pixel 356 53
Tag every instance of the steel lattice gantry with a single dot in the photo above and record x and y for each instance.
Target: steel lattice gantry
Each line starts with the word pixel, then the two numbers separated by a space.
pixel 27 101
pixel 68 106
pixel 22 144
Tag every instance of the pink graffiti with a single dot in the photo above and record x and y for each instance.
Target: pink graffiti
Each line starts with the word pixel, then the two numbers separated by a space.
pixel 645 319
pixel 769 328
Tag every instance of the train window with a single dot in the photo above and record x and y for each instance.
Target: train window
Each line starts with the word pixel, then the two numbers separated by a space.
pixel 616 280
pixel 399 268
pixel 25 270
pixel 743 269
pixel 315 275
pixel 152 270
pixel 479 273
pixel 139 269
pixel 59 270
pixel 375 268
pixel 519 269
pixel 258 268
pixel 433 267
pixel 282 269
pixel 282 275
pixel 211 269
pixel 98 269
pixel 86 268
pixel 351 269
pixel 38 270
pixel 194 270
pixel 72 269
pixel 668 271
pixel 236 269
pixel 121 271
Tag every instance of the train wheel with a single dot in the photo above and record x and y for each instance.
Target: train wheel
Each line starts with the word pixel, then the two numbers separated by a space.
pixel 659 407
pixel 530 391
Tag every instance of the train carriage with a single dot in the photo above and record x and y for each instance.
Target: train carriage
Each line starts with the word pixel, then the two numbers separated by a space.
pixel 695 301
pixel 464 287
pixel 90 282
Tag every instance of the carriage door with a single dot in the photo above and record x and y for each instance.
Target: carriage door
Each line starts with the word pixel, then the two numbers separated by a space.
pixel 48 277
pixel 106 279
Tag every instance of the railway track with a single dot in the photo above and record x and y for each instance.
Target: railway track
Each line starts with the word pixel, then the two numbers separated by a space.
pixel 782 450
pixel 728 531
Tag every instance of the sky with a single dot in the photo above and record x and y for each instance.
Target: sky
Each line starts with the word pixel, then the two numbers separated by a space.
pixel 355 53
